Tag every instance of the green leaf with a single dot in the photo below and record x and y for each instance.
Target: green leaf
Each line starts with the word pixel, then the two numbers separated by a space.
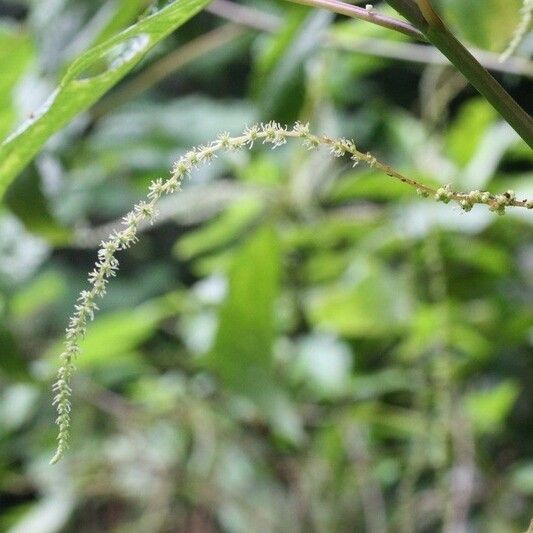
pixel 374 306
pixel 324 265
pixel 115 334
pixel 480 255
pixel 122 15
pixel 390 379
pixel 368 184
pixel 41 292
pixel 390 421
pixel 16 53
pixel 88 78
pixel 348 69
pixel 489 408
pixel 220 231
pixel 12 363
pixel 114 337
pixel 488 24
pixel 26 200
pixel 468 129
pixel 280 74
pixel 242 355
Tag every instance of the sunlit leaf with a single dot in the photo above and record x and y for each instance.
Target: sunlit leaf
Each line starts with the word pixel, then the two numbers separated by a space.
pixel 90 76
pixel 489 408
pixel 488 24
pixel 16 52
pixel 242 355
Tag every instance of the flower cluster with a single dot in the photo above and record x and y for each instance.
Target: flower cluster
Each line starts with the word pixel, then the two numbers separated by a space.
pixel 107 264
pixel 497 203
pixel 444 194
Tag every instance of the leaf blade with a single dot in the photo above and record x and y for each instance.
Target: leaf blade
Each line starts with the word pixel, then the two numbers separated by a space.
pixel 77 93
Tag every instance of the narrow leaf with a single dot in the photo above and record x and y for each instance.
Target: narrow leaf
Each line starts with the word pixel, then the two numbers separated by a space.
pixel 87 79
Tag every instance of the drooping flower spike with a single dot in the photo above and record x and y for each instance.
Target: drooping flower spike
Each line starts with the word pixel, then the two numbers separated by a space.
pixel 271 133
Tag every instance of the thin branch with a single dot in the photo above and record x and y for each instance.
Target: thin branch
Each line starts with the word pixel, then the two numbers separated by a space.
pixel 370 15
pixel 420 53
pixel 250 17
pixel 257 19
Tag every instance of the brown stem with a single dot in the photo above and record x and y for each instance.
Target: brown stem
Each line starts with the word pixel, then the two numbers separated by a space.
pixel 365 14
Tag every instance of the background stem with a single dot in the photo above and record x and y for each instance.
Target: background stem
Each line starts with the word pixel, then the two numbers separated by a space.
pixel 466 63
pixel 361 13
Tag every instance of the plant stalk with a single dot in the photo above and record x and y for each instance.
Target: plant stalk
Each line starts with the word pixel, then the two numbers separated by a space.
pixel 369 15
pixel 434 29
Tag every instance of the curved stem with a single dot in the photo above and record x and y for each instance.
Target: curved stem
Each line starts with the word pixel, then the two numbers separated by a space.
pixel 107 264
pixel 365 14
pixel 257 19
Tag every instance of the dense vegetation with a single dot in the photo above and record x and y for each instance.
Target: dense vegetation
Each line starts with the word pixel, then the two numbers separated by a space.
pixel 296 343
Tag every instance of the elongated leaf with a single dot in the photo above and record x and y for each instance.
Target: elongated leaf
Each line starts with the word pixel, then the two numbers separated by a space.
pixel 88 78
pixel 279 76
pixel 27 201
pixel 242 356
pixel 16 52
pixel 221 231
pixel 123 13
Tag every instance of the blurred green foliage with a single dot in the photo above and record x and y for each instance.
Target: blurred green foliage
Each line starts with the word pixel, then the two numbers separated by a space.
pixel 295 344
